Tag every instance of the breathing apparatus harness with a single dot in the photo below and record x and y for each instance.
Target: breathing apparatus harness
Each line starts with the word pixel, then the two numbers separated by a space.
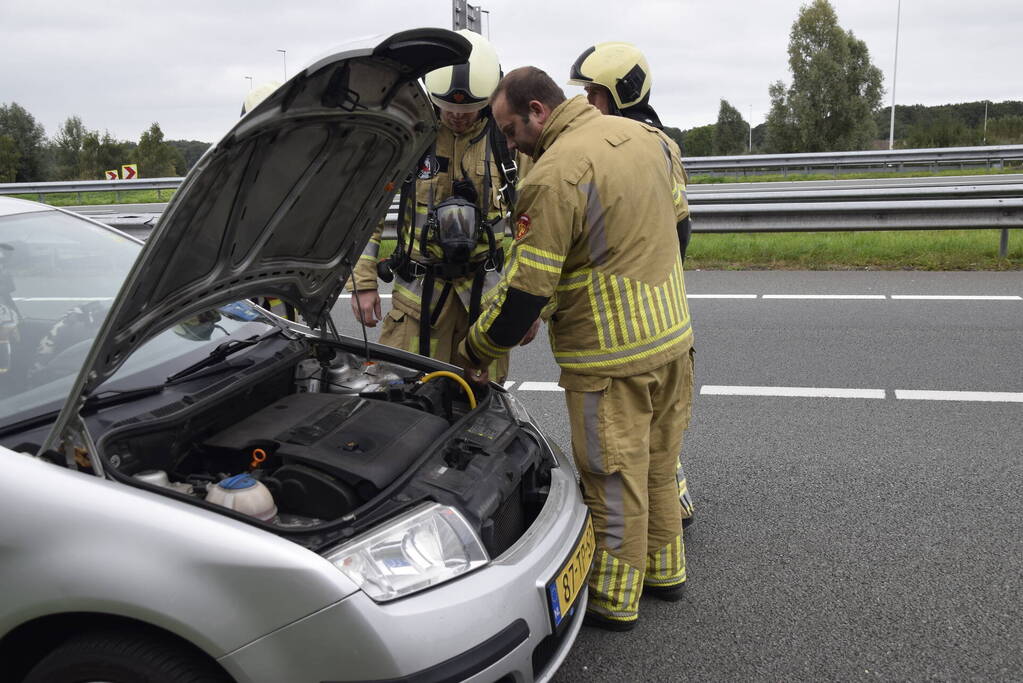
pixel 455 225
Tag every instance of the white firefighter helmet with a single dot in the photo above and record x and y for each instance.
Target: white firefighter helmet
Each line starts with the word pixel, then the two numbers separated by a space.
pixel 257 95
pixel 466 87
pixel 619 67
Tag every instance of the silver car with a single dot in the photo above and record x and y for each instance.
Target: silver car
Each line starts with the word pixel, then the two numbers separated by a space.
pixel 194 489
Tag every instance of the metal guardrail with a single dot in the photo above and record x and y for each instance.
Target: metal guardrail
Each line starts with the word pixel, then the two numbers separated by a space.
pixel 1002 213
pixel 886 159
pixel 882 159
pixel 949 214
pixel 857 194
pixel 981 203
pixel 80 186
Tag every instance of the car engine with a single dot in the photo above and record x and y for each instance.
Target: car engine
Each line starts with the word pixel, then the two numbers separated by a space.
pixel 335 444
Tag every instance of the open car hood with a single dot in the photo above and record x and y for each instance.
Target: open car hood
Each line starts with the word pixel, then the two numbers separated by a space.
pixel 284 204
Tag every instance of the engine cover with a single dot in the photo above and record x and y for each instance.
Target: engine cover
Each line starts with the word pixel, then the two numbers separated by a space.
pixel 354 439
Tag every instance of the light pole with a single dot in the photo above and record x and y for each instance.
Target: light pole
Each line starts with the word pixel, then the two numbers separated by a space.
pixel 895 73
pixel 751 129
pixel 284 54
pixel 985 122
pixel 249 79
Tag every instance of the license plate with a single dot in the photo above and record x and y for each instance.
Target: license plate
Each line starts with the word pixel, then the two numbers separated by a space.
pixel 564 589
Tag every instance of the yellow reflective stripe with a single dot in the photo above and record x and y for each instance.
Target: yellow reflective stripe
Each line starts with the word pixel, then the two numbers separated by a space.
pixel 590 359
pixel 618 326
pixel 633 311
pixel 408 293
pixel 674 297
pixel 615 588
pixel 539 265
pixel 606 298
pixel 637 314
pixel 662 301
pixel 574 280
pixel 678 193
pixel 482 343
pixel 597 316
pixel 667 566
pixel 477 336
pixel 656 322
pixel 549 256
pixel 541 259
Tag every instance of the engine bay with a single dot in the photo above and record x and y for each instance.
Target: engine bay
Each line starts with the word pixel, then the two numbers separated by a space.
pixel 322 444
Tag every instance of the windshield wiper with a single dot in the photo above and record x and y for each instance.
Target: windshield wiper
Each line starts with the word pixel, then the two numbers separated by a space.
pixel 103 399
pixel 221 352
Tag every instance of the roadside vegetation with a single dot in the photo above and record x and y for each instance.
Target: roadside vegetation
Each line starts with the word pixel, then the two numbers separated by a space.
pixel 883 250
pixel 880 250
pixel 868 250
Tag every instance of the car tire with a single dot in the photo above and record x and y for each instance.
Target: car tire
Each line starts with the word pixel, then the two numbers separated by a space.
pixel 121 656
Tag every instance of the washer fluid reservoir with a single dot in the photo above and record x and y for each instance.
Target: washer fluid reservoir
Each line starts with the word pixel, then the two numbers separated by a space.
pixel 242 493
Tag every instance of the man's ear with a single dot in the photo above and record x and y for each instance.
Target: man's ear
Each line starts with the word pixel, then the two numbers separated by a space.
pixel 538 110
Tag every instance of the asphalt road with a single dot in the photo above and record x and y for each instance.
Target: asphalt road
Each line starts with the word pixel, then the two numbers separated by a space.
pixel 846 527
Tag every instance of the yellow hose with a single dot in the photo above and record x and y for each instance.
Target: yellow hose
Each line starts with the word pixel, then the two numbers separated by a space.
pixel 460 380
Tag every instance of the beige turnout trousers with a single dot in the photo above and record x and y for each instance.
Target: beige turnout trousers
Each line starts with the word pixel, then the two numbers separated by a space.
pixel 626 442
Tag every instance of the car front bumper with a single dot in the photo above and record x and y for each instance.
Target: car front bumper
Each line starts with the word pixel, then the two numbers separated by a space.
pixel 492 624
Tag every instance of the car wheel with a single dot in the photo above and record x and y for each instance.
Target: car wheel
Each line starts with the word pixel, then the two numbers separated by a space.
pixel 124 657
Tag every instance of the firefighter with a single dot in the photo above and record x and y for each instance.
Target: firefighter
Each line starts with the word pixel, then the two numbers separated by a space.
pixel 617 81
pixel 446 261
pixel 590 224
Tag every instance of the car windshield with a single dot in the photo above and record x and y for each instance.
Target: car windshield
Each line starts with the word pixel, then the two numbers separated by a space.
pixel 59 275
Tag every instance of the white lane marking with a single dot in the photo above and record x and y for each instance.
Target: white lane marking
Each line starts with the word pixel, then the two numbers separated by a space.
pixel 349 296
pixel 949 297
pixel 539 386
pixel 988 396
pixel 789 392
pixel 508 385
pixel 721 296
pixel 822 392
pixel 880 297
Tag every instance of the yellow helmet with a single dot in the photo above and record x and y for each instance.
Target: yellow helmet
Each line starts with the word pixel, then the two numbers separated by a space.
pixel 619 67
pixel 466 87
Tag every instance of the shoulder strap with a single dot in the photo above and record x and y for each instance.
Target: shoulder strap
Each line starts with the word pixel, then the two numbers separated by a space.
pixel 506 166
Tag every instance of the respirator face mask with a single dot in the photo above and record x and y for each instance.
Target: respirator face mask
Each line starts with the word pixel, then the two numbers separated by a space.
pixel 456 223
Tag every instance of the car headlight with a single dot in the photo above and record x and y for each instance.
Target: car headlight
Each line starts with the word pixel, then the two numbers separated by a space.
pixel 427 546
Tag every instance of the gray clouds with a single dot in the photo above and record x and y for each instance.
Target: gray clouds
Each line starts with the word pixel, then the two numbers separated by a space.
pixel 121 66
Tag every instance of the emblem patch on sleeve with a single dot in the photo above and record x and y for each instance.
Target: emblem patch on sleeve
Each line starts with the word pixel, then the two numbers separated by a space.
pixel 522 226
pixel 428 167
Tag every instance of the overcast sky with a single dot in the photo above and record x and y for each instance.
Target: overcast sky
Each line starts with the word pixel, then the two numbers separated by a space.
pixel 122 65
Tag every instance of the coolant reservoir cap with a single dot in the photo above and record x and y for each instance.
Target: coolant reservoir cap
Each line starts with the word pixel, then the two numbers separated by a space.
pixel 237 482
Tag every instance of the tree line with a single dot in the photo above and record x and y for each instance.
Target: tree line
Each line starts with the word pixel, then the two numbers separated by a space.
pixel 833 104
pixel 76 152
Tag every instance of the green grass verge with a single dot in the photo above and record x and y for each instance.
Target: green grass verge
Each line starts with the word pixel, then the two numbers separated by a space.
pixel 884 250
pixel 96 198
